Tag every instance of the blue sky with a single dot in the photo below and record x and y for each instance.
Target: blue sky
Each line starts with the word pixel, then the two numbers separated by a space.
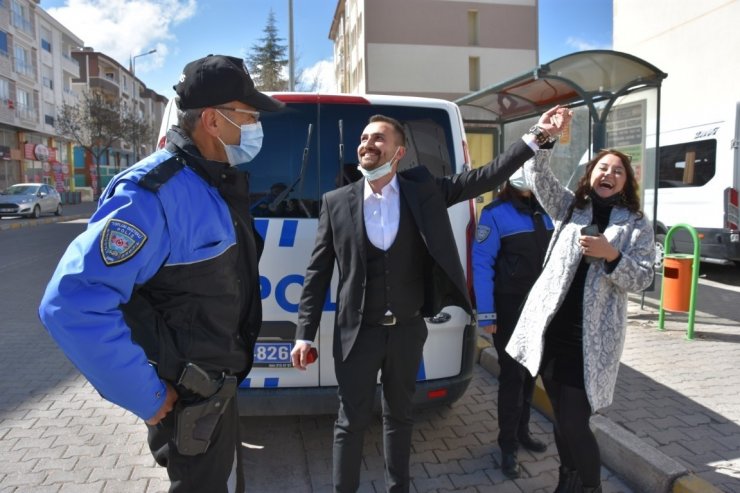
pixel 183 30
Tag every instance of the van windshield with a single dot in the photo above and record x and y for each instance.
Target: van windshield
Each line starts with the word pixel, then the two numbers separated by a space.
pixel 276 171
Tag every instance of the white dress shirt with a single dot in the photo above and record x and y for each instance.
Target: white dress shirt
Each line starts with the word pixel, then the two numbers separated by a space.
pixel 382 213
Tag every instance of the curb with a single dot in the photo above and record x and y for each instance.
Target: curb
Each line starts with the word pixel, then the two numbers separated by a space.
pixel 642 466
pixel 42 220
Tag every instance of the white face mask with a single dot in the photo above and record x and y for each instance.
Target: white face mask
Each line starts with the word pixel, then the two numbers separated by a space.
pixel 250 143
pixel 380 171
pixel 517 181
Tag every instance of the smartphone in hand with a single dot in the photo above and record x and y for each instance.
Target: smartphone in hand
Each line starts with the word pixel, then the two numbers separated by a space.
pixel 590 230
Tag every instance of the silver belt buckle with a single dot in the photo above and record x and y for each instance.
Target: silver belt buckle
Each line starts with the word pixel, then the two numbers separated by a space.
pixel 388 320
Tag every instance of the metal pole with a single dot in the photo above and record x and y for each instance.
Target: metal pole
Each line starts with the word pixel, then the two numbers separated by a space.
pixel 136 100
pixel 291 59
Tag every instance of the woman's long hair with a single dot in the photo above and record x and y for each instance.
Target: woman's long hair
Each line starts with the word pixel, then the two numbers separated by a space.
pixel 628 196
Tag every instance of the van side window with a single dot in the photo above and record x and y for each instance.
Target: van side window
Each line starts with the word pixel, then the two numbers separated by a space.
pixel 690 164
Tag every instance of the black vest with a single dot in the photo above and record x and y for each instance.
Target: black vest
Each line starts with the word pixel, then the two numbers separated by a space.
pixel 395 278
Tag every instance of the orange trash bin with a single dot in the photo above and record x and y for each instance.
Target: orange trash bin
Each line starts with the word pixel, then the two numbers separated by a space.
pixel 677 276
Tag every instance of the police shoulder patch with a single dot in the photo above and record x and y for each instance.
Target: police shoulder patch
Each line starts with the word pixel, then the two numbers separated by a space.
pixel 120 241
pixel 482 233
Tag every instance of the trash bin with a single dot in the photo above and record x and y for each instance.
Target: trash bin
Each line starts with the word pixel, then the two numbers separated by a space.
pixel 677 277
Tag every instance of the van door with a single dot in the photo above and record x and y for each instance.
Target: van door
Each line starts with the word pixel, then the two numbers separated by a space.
pixel 285 194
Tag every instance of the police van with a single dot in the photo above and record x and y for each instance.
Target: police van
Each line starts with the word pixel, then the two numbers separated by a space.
pixel 309 148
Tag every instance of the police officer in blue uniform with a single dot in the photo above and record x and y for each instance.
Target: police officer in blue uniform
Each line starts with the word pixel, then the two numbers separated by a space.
pixel 157 302
pixel 511 241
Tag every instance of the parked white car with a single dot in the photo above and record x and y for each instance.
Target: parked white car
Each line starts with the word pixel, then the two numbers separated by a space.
pixel 30 200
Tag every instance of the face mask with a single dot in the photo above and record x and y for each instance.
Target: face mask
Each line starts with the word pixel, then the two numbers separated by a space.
pixel 517 181
pixel 250 143
pixel 520 184
pixel 380 171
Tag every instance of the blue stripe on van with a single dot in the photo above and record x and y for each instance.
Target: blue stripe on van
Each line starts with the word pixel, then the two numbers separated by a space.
pixel 287 235
pixel 422 373
pixel 246 383
pixel 261 226
pixel 271 383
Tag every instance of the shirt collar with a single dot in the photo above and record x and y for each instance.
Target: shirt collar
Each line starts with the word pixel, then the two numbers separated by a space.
pixel 368 191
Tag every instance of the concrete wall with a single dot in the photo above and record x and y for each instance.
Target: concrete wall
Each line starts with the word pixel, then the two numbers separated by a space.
pixel 696 43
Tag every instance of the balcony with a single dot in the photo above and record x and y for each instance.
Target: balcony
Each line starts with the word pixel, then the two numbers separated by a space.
pixel 27 113
pixel 71 66
pixel 105 84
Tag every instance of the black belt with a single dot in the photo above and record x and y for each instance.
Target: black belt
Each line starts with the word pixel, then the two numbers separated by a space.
pixel 391 320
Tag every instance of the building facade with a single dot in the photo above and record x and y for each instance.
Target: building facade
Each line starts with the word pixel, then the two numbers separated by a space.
pixel 101 74
pixel 434 48
pixel 36 72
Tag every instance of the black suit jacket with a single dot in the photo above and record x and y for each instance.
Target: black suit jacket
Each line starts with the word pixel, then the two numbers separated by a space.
pixel 341 238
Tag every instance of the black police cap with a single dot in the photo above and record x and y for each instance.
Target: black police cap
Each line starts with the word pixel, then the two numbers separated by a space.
pixel 218 79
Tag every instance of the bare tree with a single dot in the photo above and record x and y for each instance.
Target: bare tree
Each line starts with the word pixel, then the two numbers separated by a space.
pixel 95 123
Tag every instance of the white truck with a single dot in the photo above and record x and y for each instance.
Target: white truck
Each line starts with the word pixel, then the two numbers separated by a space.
pixel 699 178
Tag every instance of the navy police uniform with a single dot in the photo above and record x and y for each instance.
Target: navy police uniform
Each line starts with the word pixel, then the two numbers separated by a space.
pixel 167 273
pixel 510 246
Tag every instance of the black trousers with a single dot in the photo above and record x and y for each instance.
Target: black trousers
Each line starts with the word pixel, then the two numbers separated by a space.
pixel 396 352
pixel 217 470
pixel 515 383
pixel 576 443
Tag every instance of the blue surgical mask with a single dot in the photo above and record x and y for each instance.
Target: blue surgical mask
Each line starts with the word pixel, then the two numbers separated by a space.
pixel 250 143
pixel 380 171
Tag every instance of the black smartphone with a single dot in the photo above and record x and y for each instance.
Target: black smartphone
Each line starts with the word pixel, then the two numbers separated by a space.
pixel 590 230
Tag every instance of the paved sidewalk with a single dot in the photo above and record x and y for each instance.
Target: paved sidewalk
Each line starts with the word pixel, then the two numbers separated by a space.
pixel 674 424
pixel 683 397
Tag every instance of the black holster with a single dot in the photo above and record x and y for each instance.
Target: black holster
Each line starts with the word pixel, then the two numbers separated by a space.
pixel 195 423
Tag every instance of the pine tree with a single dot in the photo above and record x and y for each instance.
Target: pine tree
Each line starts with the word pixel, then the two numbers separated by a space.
pixel 267 61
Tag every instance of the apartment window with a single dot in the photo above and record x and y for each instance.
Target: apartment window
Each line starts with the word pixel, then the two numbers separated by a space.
pixel 473 28
pixel 110 75
pixel 4 90
pixel 20 16
pixel 3 43
pixel 24 105
pixel 45 39
pixel 47 78
pixel 474 73
pixel 23 61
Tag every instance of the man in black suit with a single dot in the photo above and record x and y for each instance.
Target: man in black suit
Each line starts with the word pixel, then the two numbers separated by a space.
pixel 391 237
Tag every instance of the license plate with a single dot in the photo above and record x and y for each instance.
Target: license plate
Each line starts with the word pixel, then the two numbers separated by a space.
pixel 6 209
pixel 273 354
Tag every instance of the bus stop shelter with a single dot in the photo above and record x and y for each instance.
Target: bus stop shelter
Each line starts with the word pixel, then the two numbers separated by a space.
pixel 609 88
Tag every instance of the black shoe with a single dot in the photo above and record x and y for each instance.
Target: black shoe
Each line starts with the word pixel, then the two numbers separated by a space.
pixel 510 466
pixel 568 481
pixel 587 489
pixel 530 443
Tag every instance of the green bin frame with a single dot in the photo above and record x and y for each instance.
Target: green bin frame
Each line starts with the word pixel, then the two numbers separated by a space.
pixel 694 278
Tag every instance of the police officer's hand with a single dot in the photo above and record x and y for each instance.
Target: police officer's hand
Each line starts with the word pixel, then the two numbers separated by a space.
pixel 169 403
pixel 299 355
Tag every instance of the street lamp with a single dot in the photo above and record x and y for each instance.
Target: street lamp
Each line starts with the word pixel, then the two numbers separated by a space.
pixel 133 60
pixel 136 99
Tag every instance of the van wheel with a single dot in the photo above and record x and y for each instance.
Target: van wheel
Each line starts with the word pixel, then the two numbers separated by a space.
pixel 659 252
